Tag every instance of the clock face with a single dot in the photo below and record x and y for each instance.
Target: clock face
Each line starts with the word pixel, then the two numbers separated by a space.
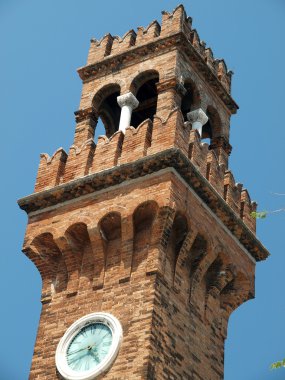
pixel 89 347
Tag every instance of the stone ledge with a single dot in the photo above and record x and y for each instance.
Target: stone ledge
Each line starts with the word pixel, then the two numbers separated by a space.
pixel 173 158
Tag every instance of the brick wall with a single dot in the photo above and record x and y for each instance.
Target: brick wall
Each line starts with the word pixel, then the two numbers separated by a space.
pixel 140 272
pixel 149 225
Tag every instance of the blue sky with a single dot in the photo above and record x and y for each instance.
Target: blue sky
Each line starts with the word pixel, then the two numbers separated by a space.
pixel 42 43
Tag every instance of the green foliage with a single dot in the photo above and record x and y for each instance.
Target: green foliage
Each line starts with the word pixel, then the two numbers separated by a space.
pixel 259 215
pixel 278 364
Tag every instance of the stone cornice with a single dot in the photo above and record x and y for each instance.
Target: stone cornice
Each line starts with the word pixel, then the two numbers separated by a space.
pixel 134 54
pixel 150 164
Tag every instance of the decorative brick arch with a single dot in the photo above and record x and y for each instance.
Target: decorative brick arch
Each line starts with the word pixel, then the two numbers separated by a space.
pixel 142 78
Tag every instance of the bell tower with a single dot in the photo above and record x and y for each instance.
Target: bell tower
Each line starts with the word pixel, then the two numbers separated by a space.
pixel 144 233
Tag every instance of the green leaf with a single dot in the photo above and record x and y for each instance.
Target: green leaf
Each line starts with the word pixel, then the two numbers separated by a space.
pixel 258 215
pixel 278 364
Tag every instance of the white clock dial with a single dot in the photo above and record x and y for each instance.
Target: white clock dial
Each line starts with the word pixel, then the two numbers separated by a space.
pixel 89 347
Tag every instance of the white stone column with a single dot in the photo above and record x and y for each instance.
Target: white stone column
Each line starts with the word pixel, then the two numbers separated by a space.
pixel 128 102
pixel 198 118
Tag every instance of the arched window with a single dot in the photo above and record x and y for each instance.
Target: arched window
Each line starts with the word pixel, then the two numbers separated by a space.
pixel 190 100
pixel 144 88
pixel 207 131
pixel 107 110
pixel 213 126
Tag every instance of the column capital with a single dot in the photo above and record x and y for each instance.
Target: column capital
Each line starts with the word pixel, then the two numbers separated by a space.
pixel 128 99
pixel 197 116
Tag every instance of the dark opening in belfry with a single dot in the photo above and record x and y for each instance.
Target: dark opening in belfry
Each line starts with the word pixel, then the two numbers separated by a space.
pixel 146 93
pixel 187 100
pixel 107 110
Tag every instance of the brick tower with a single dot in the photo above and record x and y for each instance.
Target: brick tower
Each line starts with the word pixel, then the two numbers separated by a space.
pixel 148 223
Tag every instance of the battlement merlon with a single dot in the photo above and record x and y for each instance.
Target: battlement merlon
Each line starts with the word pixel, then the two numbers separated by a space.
pixel 175 32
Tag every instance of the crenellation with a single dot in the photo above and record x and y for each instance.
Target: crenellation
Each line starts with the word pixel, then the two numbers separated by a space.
pixel 99 49
pixel 223 74
pixel 107 152
pixel 173 22
pixel 50 170
pixel 195 41
pixel 136 142
pixel 209 57
pixel 124 43
pixel 79 161
pixel 232 192
pixel 148 34
pixel 165 135
pixel 247 207
pixel 215 172
pixel 147 139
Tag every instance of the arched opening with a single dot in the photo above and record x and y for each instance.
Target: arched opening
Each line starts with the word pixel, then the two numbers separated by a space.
pixel 107 110
pixel 207 134
pixel 190 100
pixel 144 88
pixel 213 126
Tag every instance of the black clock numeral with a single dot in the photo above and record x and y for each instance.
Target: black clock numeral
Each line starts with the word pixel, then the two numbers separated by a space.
pixel 93 329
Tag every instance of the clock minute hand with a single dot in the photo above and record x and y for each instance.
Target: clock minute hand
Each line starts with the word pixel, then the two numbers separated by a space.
pixel 74 352
pixel 100 341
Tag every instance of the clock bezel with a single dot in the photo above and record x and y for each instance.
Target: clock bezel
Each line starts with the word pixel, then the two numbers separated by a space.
pixel 60 356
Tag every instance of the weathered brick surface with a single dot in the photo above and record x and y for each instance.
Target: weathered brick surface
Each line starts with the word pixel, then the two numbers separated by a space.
pixel 153 238
pixel 171 293
pixel 167 130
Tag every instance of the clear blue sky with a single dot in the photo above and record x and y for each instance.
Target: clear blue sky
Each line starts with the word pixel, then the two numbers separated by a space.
pixel 42 43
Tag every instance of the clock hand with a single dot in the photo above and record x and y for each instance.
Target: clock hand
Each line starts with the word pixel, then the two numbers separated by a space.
pixel 74 352
pixel 76 359
pixel 100 341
